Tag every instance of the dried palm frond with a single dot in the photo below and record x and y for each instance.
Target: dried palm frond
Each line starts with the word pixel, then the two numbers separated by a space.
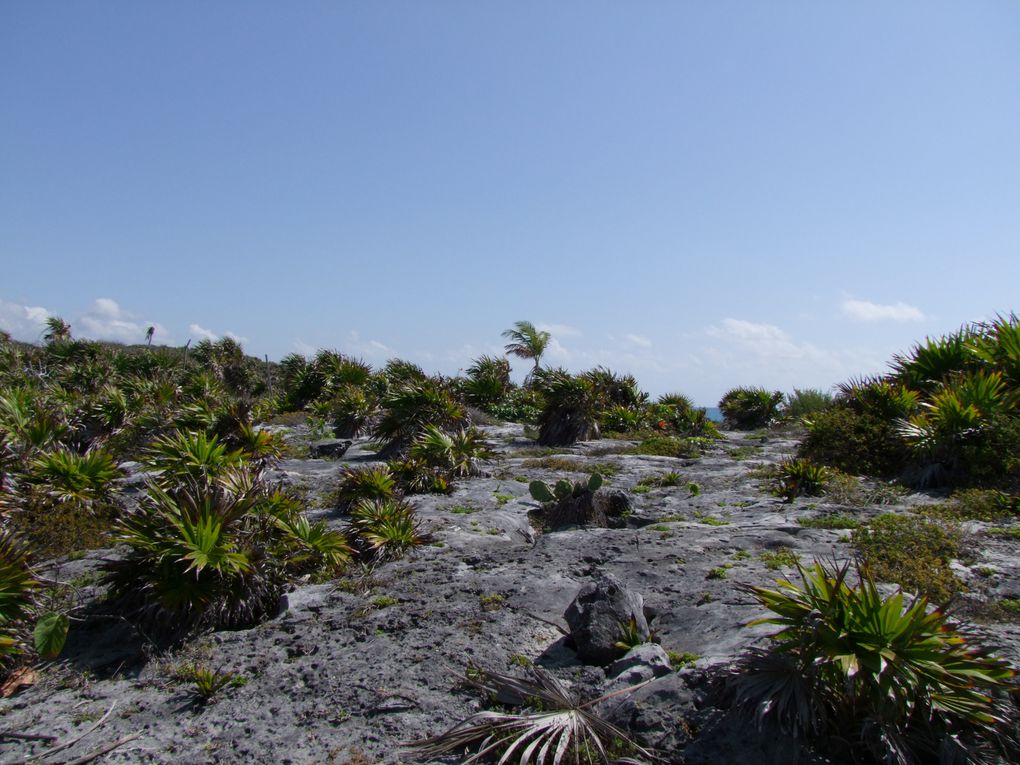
pixel 552 726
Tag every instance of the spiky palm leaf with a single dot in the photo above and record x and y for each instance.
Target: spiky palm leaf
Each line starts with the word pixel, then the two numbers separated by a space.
pixel 883 673
pixel 557 728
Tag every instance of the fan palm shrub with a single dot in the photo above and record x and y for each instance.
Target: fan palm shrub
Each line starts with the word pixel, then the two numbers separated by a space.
pixel 407 409
pixel 347 411
pixel 930 363
pixel 85 479
pixel 196 456
pixel 369 483
pixel 750 408
pixel 800 477
pixel 877 679
pixel 384 529
pixel 308 547
pixel 488 381
pixel 456 454
pixel 197 557
pixel 571 408
pixel 996 345
pixel 336 370
pixel 399 372
pixel 955 414
pixel 17 586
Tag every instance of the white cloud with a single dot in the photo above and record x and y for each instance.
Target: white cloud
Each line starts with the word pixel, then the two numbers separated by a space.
pixel 106 320
pixel 202 333
pixel 373 350
pixel 23 322
pixel 207 334
pixel 758 339
pixel 863 310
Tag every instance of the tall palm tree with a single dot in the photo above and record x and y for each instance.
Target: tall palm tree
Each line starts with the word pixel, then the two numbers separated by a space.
pixel 148 335
pixel 57 330
pixel 527 342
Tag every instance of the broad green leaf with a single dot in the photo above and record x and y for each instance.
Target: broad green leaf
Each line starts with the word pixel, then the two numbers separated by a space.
pixel 51 634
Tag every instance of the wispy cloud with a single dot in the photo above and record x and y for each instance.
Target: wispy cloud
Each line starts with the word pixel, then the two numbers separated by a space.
pixel 864 310
pixel 106 320
pixel 758 339
pixel 23 322
pixel 373 350
pixel 202 333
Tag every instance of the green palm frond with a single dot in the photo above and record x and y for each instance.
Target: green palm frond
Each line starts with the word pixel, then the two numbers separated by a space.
pixel 873 670
pixel 527 341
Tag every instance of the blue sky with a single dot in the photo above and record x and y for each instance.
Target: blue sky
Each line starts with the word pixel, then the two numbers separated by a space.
pixel 702 194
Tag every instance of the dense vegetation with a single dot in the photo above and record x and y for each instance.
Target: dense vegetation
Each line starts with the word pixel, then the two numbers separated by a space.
pixel 211 542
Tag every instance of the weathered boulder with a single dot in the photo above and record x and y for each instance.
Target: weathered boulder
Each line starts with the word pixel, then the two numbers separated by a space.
pixel 640 663
pixel 329 448
pixel 598 617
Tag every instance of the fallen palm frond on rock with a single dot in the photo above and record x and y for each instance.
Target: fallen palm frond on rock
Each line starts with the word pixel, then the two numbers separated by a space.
pixel 553 725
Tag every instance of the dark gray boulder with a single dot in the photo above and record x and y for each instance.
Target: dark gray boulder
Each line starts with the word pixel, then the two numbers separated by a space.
pixel 598 616
pixel 329 448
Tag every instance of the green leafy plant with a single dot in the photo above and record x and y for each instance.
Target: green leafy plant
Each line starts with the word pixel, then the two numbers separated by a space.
pixel 912 551
pixel 377 482
pixel 197 557
pixel 784 557
pixel 409 408
pixel 804 403
pixel 872 678
pixel 750 408
pixel 208 682
pixel 799 477
pixel 630 635
pixel 456 454
pixel 571 408
pixel 384 529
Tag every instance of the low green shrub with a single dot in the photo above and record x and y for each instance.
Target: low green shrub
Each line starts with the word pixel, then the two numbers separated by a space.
pixel 856 443
pixel 804 403
pixel 800 477
pixel 912 551
pixel 866 678
pixel 750 408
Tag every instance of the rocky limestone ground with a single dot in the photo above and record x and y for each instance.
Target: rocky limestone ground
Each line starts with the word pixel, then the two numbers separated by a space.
pixel 351 671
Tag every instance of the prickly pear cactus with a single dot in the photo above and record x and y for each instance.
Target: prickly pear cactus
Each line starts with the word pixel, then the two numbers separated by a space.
pixel 540 491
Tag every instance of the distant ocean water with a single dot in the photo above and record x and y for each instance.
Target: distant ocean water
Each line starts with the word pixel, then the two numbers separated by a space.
pixel 713 413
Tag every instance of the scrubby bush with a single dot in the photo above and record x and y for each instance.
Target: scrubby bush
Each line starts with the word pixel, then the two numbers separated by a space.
pixel 913 551
pixel 804 403
pixel 855 442
pixel 750 408
pixel 866 678
pixel 571 408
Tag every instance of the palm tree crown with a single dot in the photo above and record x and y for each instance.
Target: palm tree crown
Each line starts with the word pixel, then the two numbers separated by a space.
pixel 526 341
